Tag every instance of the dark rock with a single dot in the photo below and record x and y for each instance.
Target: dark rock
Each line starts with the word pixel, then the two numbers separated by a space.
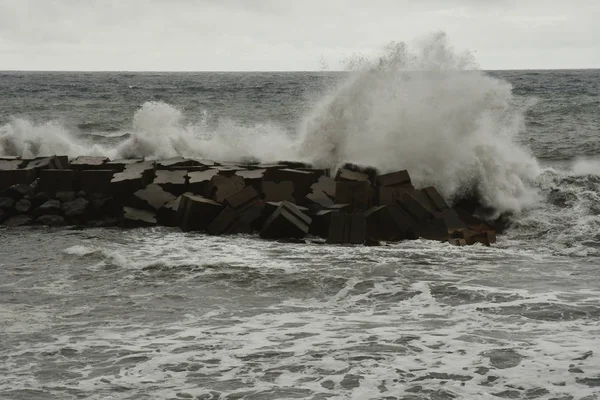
pixel 585 356
pixel 135 218
pixel 88 163
pixel 23 206
pixel 199 182
pixel 39 198
pixel 76 208
pixel 51 220
pixel 591 382
pixel 7 203
pixel 57 180
pixel 394 179
pixel 225 186
pixel 64 197
pixel 278 191
pixel 151 198
pixel 18 191
pixel 504 358
pixel 51 207
pixel 195 213
pixel 96 181
pixel 103 205
pixel 173 182
pixel 288 221
pixel 82 194
pixel 359 195
pixel 19 220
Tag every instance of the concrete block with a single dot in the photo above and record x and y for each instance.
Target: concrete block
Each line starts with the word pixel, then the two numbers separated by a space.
pixel 278 191
pixel 389 195
pixel 347 228
pixel 96 180
pixel 199 182
pixel 436 198
pixel 51 162
pixel 151 198
pixel 326 185
pixel 362 169
pixel 359 194
pixel 135 218
pixel 301 180
pixel 58 180
pixel 389 223
pixel 11 164
pixel 225 223
pixel 351 176
pixel 9 178
pixel 172 181
pixel 243 198
pixel 288 221
pixel 223 187
pixel 412 204
pixel 195 213
pixel 320 199
pixel 167 214
pixel 176 162
pixel 394 179
pixel 88 163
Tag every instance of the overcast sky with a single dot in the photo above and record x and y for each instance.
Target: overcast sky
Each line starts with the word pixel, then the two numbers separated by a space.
pixel 201 35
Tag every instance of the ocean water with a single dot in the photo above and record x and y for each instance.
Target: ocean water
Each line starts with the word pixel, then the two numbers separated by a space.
pixel 160 314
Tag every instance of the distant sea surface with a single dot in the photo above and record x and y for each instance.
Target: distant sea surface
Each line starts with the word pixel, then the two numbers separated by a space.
pixel 160 314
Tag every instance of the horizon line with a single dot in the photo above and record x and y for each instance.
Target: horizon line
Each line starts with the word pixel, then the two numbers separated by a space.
pixel 272 71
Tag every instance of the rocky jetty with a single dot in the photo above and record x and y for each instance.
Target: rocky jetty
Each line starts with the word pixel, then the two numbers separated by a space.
pixel 285 200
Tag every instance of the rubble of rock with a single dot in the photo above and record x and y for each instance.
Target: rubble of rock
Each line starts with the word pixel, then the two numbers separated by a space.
pixel 286 200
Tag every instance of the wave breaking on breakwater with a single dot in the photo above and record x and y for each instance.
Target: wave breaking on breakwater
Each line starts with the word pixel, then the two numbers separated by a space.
pixel 428 110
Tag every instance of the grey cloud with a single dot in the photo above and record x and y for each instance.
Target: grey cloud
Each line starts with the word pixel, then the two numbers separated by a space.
pixel 286 35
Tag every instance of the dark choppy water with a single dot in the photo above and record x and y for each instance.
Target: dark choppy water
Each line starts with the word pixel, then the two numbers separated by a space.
pixel 157 314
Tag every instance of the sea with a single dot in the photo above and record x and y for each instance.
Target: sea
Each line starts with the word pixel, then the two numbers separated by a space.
pixel 155 313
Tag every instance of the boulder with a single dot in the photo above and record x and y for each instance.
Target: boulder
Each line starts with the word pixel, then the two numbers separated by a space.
pixel 50 207
pixel 173 182
pixel 18 191
pixel 359 194
pixel 394 179
pixel 135 218
pixel 39 198
pixel 23 206
pixel 96 180
pixel 76 208
pixel 57 180
pixel 278 191
pixel 151 198
pixel 287 222
pixel 51 220
pixel 199 182
pixel 18 220
pixel 195 213
pixel 7 203
pixel 223 186
pixel 89 163
pixel 64 197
